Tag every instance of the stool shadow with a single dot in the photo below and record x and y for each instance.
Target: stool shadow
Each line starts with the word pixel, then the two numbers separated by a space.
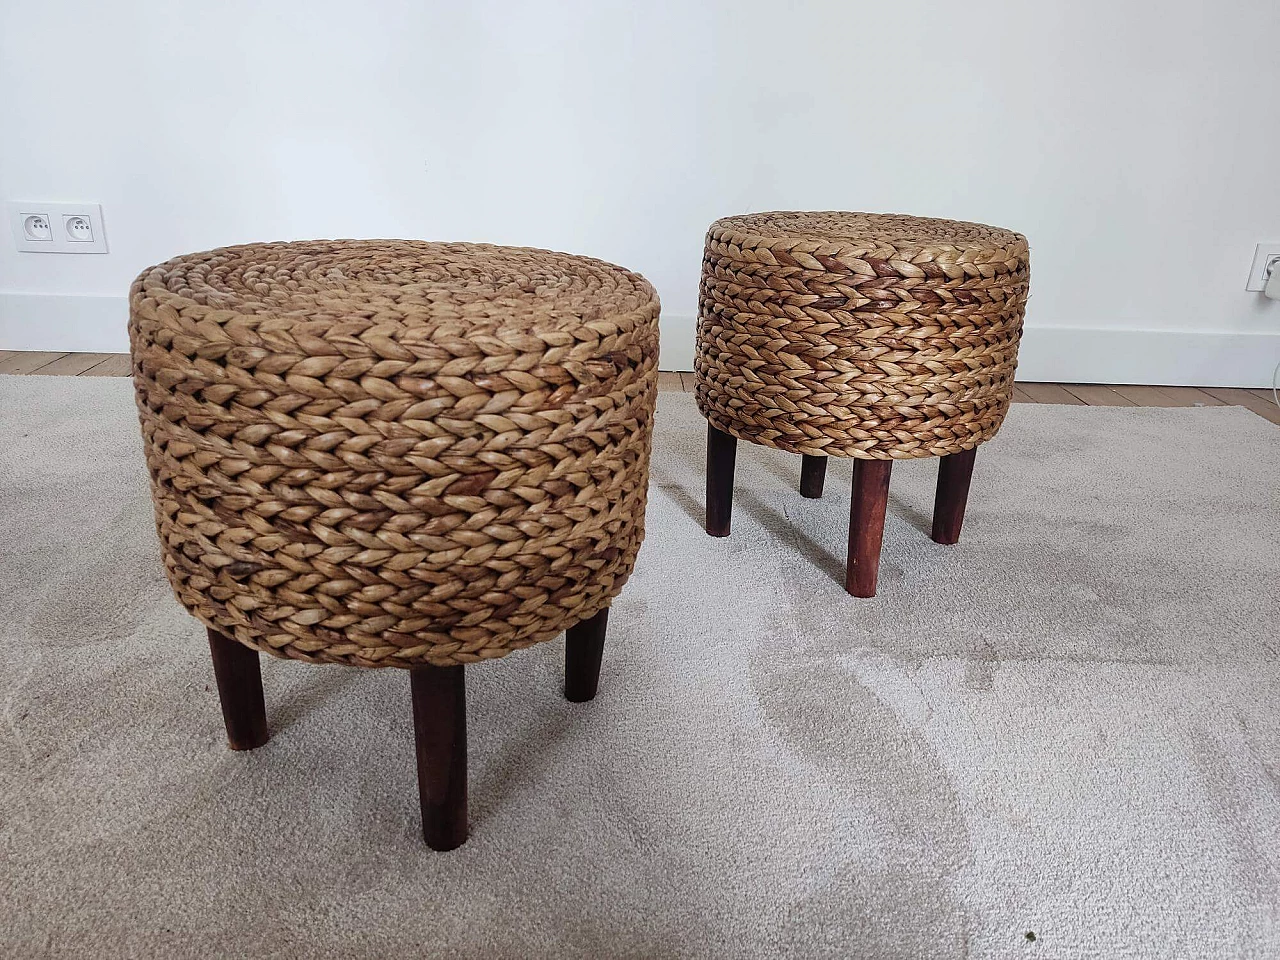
pixel 745 500
pixel 808 548
pixel 695 510
pixel 897 506
pixel 782 469
pixel 907 512
pixel 324 685
pixel 523 759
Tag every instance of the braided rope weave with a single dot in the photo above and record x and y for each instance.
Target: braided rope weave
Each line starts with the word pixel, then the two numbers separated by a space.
pixel 859 335
pixel 395 453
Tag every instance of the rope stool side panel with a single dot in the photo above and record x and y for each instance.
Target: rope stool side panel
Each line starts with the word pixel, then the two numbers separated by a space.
pixel 891 338
pixel 401 474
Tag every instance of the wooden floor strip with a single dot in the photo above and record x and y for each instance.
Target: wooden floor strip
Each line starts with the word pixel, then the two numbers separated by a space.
pixel 28 361
pixel 1145 396
pixel 687 378
pixel 1096 395
pixel 72 365
pixel 1020 395
pixel 1265 393
pixel 668 381
pixel 116 365
pixel 1050 393
pixel 1245 398
pixel 1190 397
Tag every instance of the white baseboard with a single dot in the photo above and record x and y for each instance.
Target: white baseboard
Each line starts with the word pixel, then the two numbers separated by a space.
pixel 97 324
pixel 70 324
pixel 1175 358
pixel 1183 358
pixel 678 334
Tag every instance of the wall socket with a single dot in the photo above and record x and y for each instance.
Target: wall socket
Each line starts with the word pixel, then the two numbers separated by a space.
pixel 1266 256
pixel 41 226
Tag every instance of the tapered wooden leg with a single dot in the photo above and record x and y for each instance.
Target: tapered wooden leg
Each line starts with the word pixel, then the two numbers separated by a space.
pixel 866 525
pixel 813 471
pixel 721 452
pixel 954 473
pixel 440 735
pixel 239 677
pixel 584 648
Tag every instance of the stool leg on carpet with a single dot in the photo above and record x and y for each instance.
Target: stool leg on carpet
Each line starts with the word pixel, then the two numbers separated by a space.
pixel 721 451
pixel 813 471
pixel 583 651
pixel 440 737
pixel 866 525
pixel 954 473
pixel 239 677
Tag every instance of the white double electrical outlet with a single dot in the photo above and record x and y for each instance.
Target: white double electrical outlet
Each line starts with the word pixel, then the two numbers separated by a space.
pixel 44 227
pixel 1266 259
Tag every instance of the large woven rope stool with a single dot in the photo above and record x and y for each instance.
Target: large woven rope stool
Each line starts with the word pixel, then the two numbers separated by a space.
pixel 880 337
pixel 396 454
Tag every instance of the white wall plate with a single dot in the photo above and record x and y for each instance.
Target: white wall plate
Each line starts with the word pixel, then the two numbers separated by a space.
pixel 42 226
pixel 1263 255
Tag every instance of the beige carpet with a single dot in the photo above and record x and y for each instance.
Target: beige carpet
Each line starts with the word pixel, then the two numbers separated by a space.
pixel 1067 727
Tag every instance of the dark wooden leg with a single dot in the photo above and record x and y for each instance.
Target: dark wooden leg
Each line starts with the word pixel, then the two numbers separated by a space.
pixel 813 470
pixel 239 677
pixel 866 525
pixel 954 473
pixel 584 648
pixel 721 451
pixel 440 734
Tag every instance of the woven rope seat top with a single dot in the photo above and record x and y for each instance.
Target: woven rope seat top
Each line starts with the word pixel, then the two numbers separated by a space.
pixel 395 453
pixel 880 336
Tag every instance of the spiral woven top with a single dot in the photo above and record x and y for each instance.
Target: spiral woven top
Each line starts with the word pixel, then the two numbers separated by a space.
pixel 881 336
pixel 920 239
pixel 395 452
pixel 403 283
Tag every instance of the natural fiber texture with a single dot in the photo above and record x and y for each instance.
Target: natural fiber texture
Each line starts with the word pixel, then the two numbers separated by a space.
pixel 859 335
pixel 392 453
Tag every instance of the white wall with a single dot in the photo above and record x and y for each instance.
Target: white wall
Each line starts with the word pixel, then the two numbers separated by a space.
pixel 1135 143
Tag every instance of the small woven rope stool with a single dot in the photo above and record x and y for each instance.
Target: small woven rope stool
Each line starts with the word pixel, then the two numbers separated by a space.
pixel 396 454
pixel 880 337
